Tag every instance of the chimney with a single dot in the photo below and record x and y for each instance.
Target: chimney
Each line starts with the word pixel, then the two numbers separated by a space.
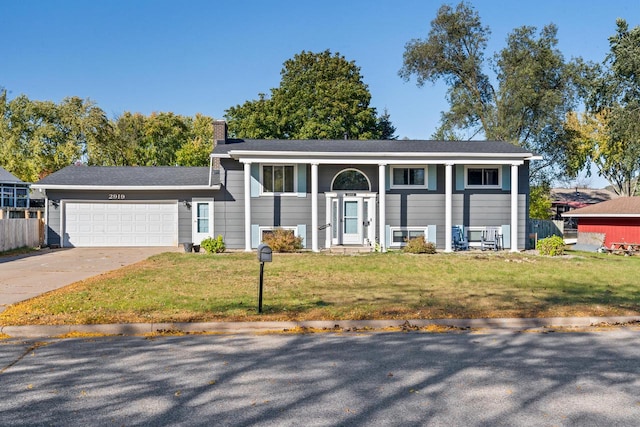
pixel 220 131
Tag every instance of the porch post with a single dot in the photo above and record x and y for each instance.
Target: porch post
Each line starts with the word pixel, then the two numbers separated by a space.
pixel 328 230
pixel 514 208
pixel 314 207
pixel 382 203
pixel 247 206
pixel 448 209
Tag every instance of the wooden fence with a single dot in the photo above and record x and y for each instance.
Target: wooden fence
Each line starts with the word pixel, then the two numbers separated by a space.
pixel 21 232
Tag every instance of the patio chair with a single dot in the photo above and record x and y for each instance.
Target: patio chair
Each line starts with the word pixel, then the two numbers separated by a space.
pixel 459 240
pixel 491 239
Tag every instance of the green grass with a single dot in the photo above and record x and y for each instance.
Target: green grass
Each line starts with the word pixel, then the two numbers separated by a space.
pixel 197 287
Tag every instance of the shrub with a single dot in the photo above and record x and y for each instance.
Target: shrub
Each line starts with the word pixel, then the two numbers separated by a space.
pixel 419 245
pixel 281 240
pixel 212 245
pixel 553 246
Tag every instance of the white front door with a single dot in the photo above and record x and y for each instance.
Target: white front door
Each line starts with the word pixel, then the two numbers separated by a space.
pixel 352 221
pixel 202 214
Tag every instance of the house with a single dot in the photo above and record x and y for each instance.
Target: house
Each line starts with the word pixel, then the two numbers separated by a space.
pixel 330 192
pixel 565 199
pixel 14 196
pixel 613 221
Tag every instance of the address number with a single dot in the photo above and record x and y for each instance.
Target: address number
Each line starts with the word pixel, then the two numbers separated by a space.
pixel 116 196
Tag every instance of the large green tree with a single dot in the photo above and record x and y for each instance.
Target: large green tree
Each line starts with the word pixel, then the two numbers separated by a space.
pixel 525 100
pixel 321 96
pixel 40 137
pixel 609 134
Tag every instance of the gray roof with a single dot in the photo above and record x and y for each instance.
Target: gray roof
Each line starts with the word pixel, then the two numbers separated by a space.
pixel 370 146
pixel 7 177
pixel 151 176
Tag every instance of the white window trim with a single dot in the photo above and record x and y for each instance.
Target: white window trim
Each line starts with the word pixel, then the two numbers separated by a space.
pixel 391 243
pixel 263 229
pixel 399 186
pixel 287 193
pixel 351 191
pixel 466 176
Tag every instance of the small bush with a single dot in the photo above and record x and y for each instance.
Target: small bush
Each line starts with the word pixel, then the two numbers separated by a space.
pixel 553 246
pixel 419 245
pixel 212 245
pixel 281 240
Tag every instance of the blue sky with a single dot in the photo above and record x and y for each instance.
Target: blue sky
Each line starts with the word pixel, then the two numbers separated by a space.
pixel 205 56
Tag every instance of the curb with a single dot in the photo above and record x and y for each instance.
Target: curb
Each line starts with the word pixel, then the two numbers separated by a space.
pixel 132 329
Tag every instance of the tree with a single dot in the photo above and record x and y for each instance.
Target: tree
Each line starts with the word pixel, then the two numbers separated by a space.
pixel 321 96
pixel 40 137
pixel 609 135
pixel 164 134
pixel 196 151
pixel 535 86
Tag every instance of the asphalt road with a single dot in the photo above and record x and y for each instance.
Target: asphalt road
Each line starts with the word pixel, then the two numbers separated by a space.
pixel 350 379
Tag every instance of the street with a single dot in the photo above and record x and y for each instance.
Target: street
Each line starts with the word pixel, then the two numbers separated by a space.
pixel 348 379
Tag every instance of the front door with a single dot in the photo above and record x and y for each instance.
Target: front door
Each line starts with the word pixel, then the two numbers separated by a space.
pixel 352 221
pixel 202 215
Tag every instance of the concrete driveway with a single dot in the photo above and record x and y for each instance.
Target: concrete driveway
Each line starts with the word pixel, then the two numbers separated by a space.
pixel 26 276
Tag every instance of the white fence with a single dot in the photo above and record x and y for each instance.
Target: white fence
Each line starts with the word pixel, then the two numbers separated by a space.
pixel 20 232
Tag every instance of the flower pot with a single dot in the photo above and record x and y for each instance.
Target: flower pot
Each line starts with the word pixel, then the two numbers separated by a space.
pixel 188 247
pixel 196 248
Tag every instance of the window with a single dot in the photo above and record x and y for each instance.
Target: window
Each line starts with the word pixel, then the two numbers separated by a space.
pixel 412 176
pixel 400 236
pixel 278 178
pixel 483 176
pixel 267 231
pixel 350 179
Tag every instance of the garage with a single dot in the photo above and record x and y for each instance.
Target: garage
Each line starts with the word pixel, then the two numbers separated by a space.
pixel 120 224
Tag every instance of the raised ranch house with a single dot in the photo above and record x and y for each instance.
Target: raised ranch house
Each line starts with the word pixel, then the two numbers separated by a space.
pixel 330 192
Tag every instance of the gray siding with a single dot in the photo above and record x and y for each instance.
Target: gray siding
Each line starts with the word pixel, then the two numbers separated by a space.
pixel 228 206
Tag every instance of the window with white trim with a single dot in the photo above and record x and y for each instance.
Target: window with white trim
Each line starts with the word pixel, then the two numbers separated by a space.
pixel 265 231
pixel 408 177
pixel 278 179
pixel 483 176
pixel 401 235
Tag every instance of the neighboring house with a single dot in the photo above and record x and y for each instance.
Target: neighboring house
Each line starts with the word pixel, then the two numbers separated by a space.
pixel 565 199
pixel 14 195
pixel 330 192
pixel 616 220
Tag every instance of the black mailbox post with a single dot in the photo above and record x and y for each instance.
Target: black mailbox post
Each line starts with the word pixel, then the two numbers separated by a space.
pixel 264 255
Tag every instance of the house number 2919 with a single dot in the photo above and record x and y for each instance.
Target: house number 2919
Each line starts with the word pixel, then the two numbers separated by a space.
pixel 117 196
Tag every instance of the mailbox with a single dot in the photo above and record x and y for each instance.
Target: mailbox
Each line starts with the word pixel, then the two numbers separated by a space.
pixel 264 253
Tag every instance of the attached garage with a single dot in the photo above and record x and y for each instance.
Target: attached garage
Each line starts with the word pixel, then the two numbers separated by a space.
pixel 120 224
pixel 128 206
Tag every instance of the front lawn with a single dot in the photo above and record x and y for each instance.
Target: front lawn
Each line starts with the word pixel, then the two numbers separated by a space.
pixel 198 287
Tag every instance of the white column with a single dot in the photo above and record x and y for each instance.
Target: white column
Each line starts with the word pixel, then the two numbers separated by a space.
pixel 448 206
pixel 247 207
pixel 514 208
pixel 328 230
pixel 314 207
pixel 382 216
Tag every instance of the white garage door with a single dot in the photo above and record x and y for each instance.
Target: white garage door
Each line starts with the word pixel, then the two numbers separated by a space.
pixel 121 224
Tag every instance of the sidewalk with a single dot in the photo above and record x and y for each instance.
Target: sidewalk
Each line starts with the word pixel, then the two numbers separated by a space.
pixel 495 325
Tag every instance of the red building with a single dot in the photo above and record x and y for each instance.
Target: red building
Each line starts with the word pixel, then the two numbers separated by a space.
pixel 618 220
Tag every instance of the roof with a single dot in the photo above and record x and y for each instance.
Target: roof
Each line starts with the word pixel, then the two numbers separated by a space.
pixel 620 207
pixel 580 197
pixel 131 177
pixel 7 177
pixel 341 148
